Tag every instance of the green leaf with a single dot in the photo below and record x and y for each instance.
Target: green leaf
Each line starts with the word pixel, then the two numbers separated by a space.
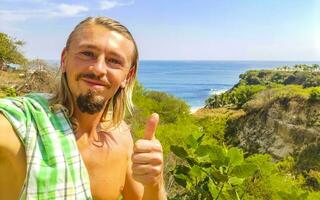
pixel 191 142
pixel 236 156
pixel 235 181
pixel 205 164
pixel 181 179
pixel 199 140
pixel 203 150
pixel 217 156
pixel 191 161
pixel 213 189
pixel 244 170
pixel 181 169
pixel 181 182
pixel 179 151
pixel 218 176
pixel 195 171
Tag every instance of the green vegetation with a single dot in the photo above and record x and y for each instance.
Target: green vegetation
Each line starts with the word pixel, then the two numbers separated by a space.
pixel 8 92
pixel 9 50
pixel 301 80
pixel 305 75
pixel 176 122
pixel 204 167
pixel 236 97
pixel 218 172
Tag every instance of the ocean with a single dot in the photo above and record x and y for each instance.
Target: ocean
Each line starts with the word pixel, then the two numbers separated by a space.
pixel 195 81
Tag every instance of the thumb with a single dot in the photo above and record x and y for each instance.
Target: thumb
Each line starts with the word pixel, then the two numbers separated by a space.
pixel 151 126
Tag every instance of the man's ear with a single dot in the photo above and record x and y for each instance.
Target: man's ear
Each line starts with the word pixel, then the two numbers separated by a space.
pixel 130 75
pixel 63 60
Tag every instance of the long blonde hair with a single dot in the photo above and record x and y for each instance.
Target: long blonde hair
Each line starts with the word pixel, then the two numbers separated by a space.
pixel 116 106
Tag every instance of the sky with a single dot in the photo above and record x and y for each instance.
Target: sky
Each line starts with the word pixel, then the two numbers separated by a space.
pixel 176 29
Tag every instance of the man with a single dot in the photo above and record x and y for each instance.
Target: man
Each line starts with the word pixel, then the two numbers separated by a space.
pixel 75 144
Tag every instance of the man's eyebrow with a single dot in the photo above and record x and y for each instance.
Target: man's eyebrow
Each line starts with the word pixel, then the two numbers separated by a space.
pixel 88 46
pixel 118 55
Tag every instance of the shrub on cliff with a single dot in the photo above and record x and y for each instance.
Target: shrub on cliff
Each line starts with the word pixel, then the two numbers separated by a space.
pixel 236 97
pixel 315 94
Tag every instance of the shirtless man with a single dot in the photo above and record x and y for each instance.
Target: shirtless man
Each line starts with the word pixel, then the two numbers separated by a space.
pixel 75 144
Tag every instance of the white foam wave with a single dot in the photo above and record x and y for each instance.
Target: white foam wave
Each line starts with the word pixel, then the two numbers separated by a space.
pixel 217 92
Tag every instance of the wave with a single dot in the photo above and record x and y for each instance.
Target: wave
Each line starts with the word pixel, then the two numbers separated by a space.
pixel 217 92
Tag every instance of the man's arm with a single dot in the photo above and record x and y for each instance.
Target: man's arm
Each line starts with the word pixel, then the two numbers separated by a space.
pixel 12 161
pixel 145 166
pixel 132 189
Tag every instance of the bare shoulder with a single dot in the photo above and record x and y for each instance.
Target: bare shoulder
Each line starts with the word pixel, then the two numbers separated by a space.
pixel 12 161
pixel 9 141
pixel 124 130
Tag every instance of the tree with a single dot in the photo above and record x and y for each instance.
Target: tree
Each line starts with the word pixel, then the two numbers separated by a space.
pixel 9 50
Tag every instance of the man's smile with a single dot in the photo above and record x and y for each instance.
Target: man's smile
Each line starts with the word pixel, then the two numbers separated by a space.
pixel 95 83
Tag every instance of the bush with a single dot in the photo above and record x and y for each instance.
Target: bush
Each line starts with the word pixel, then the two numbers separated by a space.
pixel 218 172
pixel 8 92
pixel 315 94
pixel 236 97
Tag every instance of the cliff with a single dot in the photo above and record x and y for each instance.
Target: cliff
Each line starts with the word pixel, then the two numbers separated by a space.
pixel 280 119
pixel 283 127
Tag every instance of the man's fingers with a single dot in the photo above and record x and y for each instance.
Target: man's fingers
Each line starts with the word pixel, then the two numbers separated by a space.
pixel 150 130
pixel 145 146
pixel 147 158
pixel 138 169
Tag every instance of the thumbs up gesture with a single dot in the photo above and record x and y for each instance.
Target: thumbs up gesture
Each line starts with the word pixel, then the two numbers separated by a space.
pixel 147 157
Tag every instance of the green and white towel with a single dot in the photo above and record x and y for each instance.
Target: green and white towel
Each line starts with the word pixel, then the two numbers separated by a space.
pixel 55 169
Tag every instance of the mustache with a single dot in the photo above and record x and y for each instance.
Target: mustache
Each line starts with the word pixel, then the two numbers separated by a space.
pixel 93 77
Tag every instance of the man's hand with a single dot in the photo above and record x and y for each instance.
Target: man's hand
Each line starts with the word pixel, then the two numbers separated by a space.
pixel 147 157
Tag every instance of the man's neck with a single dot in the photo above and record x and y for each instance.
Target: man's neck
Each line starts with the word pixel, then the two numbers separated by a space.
pixel 87 123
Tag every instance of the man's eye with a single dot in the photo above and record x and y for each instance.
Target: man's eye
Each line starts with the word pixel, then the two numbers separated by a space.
pixel 88 53
pixel 113 61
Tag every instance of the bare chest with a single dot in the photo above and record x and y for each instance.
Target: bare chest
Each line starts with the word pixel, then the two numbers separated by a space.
pixel 107 166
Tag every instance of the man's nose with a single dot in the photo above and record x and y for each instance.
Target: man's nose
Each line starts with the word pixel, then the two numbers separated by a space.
pixel 100 67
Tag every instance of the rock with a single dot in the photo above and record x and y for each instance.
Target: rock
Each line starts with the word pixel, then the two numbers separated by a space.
pixel 281 128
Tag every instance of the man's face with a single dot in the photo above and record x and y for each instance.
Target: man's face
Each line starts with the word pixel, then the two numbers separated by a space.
pixel 96 63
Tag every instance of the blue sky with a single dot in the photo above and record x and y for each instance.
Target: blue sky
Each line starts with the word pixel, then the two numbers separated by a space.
pixel 176 29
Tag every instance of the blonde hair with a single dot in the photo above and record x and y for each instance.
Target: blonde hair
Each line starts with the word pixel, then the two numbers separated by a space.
pixel 116 107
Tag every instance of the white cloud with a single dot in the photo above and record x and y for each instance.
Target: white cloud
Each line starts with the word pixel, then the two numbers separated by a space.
pixel 71 10
pixel 13 15
pixel 23 1
pixel 107 4
pixel 56 10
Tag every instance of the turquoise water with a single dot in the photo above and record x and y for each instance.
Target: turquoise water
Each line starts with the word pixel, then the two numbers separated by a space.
pixel 195 81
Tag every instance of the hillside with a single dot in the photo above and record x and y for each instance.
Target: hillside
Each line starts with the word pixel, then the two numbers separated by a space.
pixel 282 113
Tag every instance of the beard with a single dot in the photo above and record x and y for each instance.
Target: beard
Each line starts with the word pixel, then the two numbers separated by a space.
pixel 90 102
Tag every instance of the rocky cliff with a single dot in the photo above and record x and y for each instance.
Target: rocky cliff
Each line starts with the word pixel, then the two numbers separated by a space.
pixel 281 127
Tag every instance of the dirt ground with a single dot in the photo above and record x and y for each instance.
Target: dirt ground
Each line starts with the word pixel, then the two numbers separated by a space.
pixel 25 82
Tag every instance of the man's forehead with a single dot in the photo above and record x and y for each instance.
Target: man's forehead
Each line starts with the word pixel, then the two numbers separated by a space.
pixel 95 36
pixel 95 31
